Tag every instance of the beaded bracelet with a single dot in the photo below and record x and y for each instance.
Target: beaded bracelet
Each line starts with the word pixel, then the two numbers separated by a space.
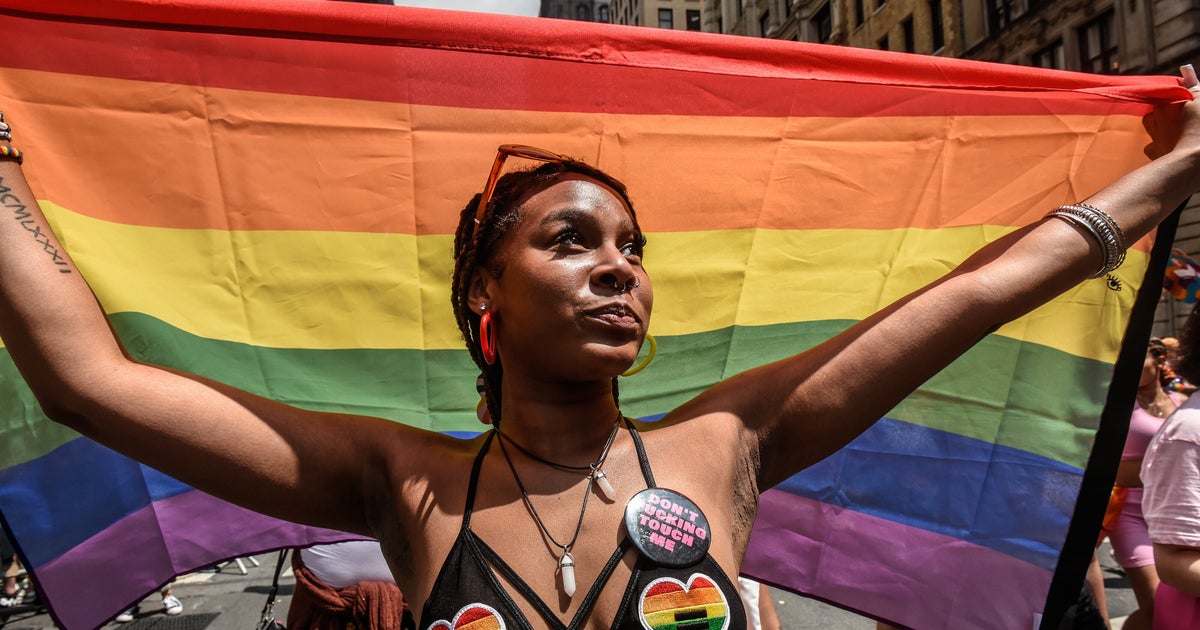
pixel 1103 227
pixel 11 153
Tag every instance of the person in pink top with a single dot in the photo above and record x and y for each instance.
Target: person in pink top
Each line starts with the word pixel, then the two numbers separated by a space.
pixel 1129 535
pixel 1171 499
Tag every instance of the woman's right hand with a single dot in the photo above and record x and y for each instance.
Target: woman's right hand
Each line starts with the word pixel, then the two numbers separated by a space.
pixel 1177 127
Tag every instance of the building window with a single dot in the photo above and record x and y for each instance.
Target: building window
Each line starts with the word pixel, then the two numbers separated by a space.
pixel 583 12
pixel 666 18
pixel 882 44
pixel 859 12
pixel 764 23
pixel 788 5
pixel 822 22
pixel 1050 57
pixel 999 15
pixel 602 14
pixel 879 4
pixel 910 44
pixel 1098 46
pixel 693 19
pixel 937 26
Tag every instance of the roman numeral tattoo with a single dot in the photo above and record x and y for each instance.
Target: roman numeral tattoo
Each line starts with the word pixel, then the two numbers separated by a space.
pixel 21 214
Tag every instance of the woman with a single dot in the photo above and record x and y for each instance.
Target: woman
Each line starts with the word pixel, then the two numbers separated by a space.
pixel 1129 536
pixel 1171 500
pixel 345 585
pixel 550 292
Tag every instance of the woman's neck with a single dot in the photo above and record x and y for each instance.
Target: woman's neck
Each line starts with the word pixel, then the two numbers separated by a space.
pixel 1149 393
pixel 561 423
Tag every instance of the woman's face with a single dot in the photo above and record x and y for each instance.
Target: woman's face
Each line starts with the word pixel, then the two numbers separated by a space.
pixel 563 299
pixel 1150 370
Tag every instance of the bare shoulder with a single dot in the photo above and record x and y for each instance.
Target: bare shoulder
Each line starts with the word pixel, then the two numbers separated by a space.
pixel 418 463
pixel 419 507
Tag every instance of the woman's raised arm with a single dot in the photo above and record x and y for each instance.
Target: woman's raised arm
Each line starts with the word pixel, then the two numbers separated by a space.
pixel 799 410
pixel 299 465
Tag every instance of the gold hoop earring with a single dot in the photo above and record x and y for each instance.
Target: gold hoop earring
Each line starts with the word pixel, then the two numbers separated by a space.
pixel 649 357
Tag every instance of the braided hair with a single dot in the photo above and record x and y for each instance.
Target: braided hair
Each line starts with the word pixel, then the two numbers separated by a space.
pixel 474 244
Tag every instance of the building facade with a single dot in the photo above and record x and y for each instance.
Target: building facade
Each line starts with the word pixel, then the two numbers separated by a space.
pixel 927 27
pixel 921 26
pixel 1106 36
pixel 674 14
pixel 582 10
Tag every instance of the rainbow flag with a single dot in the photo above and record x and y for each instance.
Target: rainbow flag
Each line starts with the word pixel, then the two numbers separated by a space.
pixel 265 194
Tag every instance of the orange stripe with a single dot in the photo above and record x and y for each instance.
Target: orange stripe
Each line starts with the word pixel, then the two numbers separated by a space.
pixel 275 162
pixel 682 599
pixel 483 623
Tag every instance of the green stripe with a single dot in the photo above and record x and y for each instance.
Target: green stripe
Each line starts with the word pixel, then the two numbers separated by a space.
pixel 1003 391
pixel 711 623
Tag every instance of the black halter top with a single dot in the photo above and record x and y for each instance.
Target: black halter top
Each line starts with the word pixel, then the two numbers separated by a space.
pixel 467 594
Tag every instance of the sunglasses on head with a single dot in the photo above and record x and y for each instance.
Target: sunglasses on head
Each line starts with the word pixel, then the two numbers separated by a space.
pixel 502 153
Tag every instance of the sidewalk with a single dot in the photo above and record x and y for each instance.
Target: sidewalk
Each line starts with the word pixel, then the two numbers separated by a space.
pixel 225 600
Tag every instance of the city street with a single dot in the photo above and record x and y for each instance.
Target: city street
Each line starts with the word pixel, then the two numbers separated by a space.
pixel 228 600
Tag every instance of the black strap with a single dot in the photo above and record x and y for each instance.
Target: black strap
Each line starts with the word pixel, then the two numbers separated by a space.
pixel 589 600
pixel 643 461
pixel 1102 463
pixel 488 556
pixel 268 611
pixel 470 506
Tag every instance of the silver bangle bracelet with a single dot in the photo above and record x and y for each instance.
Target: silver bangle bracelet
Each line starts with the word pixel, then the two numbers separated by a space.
pixel 1120 234
pixel 1101 226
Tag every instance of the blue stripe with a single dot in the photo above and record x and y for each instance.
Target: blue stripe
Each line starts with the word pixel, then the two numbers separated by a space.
pixel 998 497
pixel 59 500
pixel 994 496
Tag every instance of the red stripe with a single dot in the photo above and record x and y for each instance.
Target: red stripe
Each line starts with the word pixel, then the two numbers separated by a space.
pixel 492 62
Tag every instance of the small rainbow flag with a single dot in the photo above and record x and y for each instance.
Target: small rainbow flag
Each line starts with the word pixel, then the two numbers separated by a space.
pixel 265 194
pixel 669 604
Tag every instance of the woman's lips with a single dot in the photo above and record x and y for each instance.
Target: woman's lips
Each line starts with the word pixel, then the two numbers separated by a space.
pixel 616 316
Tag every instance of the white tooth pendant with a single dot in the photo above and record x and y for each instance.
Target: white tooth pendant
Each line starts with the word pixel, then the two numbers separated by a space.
pixel 603 484
pixel 566 568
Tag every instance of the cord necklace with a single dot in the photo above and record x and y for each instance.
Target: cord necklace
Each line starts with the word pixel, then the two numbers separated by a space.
pixel 566 562
pixel 517 445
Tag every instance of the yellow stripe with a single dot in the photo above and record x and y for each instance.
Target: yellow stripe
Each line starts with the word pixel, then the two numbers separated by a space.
pixel 329 290
pixel 665 617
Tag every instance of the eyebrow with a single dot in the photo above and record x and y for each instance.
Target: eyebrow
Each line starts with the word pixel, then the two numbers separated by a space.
pixel 576 215
pixel 569 215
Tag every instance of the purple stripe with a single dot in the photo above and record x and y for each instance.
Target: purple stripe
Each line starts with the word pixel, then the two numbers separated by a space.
pixel 909 576
pixel 144 550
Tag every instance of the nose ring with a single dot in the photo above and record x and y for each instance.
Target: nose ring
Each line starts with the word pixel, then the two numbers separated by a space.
pixel 629 285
